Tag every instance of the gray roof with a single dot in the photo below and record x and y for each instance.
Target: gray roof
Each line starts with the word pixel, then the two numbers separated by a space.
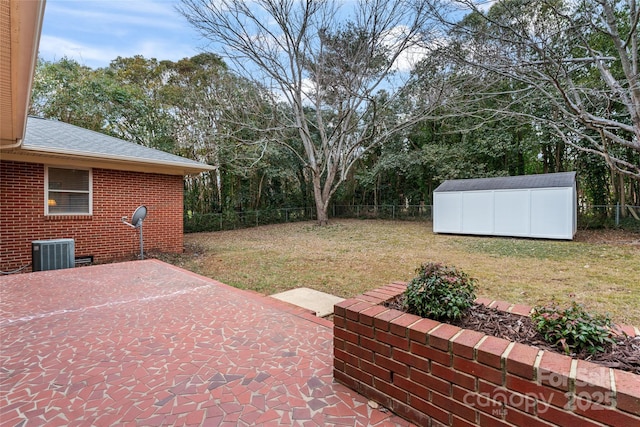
pixel 549 180
pixel 51 136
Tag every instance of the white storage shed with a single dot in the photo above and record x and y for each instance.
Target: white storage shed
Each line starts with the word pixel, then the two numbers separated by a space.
pixel 542 206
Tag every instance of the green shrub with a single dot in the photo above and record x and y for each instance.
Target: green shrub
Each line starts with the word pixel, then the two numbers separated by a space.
pixel 440 292
pixel 573 330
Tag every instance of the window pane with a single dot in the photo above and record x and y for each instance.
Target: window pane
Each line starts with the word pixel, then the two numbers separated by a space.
pixel 68 179
pixel 63 203
pixel 69 191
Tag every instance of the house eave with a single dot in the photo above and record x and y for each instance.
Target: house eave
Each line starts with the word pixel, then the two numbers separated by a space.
pixel 82 159
pixel 19 40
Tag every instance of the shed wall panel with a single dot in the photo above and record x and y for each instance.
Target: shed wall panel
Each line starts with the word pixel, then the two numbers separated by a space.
pixel 551 213
pixel 477 212
pixel 512 213
pixel 448 212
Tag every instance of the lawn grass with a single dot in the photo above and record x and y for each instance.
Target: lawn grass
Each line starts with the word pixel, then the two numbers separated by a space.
pixel 349 257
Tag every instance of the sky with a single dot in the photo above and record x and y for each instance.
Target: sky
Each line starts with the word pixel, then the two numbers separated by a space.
pixel 94 32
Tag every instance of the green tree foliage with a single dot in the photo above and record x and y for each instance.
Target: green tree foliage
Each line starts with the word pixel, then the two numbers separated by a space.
pixel 573 67
pixel 70 92
pixel 136 112
pixel 194 107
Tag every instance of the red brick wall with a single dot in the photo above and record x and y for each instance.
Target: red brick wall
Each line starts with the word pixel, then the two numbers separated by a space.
pixel 437 374
pixel 102 235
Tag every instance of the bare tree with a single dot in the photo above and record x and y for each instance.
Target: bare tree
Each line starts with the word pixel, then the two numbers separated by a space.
pixel 574 66
pixel 337 67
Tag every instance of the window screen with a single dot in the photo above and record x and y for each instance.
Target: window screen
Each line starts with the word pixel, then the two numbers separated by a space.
pixel 69 191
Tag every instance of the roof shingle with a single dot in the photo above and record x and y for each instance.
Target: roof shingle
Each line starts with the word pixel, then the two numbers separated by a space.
pixel 549 180
pixel 51 136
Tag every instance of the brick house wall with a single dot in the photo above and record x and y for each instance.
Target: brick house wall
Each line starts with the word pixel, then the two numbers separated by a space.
pixel 101 235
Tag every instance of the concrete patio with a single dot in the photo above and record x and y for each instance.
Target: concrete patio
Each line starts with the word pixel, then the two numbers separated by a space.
pixel 146 344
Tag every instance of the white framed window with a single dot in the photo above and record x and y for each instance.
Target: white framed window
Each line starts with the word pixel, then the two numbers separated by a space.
pixel 68 191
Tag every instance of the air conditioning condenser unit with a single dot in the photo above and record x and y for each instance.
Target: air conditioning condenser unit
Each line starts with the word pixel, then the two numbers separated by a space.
pixel 52 254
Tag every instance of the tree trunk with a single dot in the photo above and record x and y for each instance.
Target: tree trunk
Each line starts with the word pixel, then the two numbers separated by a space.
pixel 622 194
pixel 257 203
pixel 322 206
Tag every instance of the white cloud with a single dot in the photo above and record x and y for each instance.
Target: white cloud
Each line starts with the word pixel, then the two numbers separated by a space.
pixel 96 32
pixel 485 5
pixel 54 48
pixel 411 55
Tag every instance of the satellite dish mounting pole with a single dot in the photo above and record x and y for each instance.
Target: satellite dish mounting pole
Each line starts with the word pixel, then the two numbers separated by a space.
pixel 136 222
pixel 141 242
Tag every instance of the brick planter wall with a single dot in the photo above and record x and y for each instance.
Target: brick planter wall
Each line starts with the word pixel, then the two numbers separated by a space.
pixel 437 374
pixel 101 235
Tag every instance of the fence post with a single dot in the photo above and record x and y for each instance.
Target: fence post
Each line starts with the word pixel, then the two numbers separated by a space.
pixel 617 214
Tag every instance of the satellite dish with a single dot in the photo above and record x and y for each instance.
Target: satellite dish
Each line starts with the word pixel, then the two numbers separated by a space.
pixel 138 216
pixel 136 222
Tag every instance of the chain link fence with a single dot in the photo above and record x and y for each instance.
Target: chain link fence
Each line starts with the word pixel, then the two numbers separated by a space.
pixel 232 220
pixel 609 216
pixel 589 217
pixel 404 212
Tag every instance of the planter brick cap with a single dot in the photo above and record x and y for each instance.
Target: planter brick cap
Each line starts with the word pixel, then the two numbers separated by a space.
pixel 347 302
pixel 440 337
pixel 401 325
pixel 595 374
pixel 392 290
pixel 445 331
pixel 507 351
pixel 521 360
pixel 465 342
pixel 627 388
pixel 501 305
pixel 555 370
pixel 592 378
pixel 353 311
pixel 339 308
pixel 389 315
pixel 484 301
pixel 367 315
pixel 374 295
pixel 620 330
pixel 374 299
pixel 491 351
pixel 419 330
pixel 425 325
pixel 523 310
pixel 478 344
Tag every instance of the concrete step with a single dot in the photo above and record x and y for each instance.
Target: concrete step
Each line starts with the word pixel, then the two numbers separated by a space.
pixel 319 302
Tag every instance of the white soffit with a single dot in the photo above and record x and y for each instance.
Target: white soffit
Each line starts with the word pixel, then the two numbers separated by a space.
pixel 20 26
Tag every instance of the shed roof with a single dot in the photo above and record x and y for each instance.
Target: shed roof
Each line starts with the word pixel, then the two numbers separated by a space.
pixel 549 180
pixel 55 139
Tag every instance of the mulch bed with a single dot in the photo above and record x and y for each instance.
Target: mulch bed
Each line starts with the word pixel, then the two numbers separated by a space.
pixel 624 355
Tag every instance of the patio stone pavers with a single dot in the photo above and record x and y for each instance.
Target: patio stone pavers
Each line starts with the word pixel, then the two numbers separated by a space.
pixel 147 344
